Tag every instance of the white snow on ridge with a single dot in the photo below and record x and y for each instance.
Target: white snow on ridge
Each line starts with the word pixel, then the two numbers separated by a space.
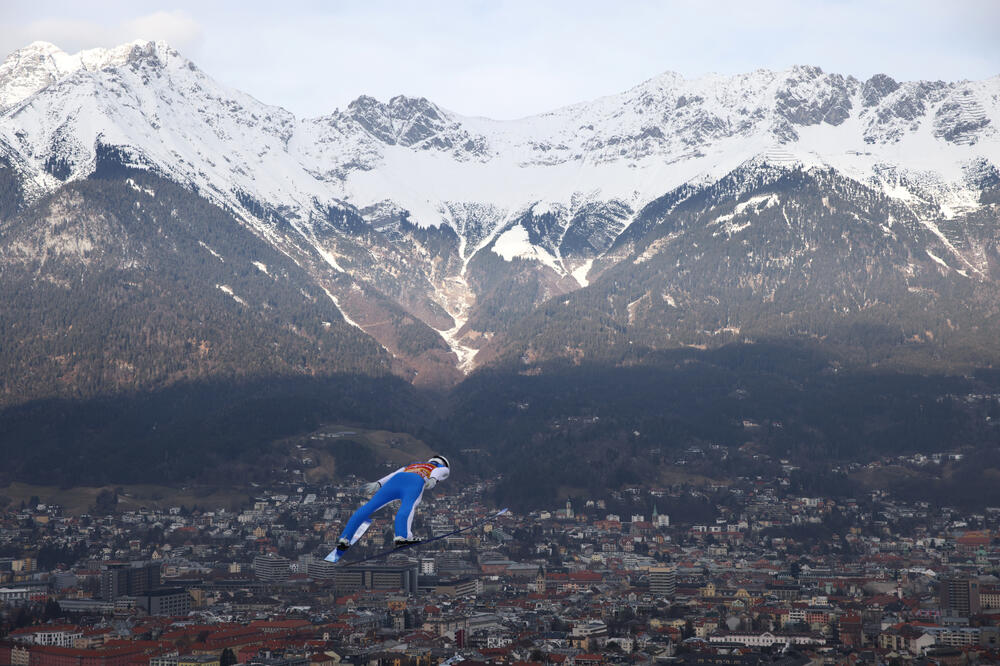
pixel 633 146
pixel 28 70
pixel 542 208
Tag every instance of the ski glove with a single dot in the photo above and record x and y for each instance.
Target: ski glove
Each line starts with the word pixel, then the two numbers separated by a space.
pixel 430 482
pixel 372 488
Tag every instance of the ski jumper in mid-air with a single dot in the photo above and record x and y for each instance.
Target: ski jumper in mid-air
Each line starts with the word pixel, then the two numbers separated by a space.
pixel 405 484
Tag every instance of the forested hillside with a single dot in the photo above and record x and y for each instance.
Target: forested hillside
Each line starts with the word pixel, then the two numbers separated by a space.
pixel 121 285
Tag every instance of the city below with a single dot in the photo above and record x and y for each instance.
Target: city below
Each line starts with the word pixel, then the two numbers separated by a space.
pixel 753 572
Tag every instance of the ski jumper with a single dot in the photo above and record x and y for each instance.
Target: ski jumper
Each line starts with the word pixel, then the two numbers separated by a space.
pixel 405 484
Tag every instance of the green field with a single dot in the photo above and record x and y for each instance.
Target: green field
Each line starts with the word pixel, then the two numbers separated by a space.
pixel 82 499
pixel 386 446
pixel 393 447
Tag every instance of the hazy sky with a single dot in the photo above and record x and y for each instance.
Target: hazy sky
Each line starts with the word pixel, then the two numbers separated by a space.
pixel 512 58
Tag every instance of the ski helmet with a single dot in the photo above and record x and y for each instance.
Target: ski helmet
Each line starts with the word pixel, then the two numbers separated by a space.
pixel 440 460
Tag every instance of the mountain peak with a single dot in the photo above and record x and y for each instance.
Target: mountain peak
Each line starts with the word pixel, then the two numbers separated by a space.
pixel 811 71
pixel 667 79
pixel 403 120
pixel 140 50
pixel 40 46
pixel 29 69
pixel 396 104
pixel 39 64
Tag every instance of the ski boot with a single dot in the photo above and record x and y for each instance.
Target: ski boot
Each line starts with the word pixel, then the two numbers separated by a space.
pixel 401 542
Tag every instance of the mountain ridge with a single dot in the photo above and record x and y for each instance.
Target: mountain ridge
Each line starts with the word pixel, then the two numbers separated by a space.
pixel 534 208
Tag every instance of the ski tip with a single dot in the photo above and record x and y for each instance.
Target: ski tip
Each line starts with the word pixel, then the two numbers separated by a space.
pixel 332 557
pixel 503 511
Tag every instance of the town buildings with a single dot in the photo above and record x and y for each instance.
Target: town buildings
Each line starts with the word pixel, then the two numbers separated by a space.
pixel 749 567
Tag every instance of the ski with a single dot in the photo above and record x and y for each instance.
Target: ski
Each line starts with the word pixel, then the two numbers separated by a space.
pixel 335 554
pixel 478 523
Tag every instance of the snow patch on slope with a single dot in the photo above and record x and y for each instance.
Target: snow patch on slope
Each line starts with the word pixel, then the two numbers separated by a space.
pixel 515 243
pixel 211 251
pixel 342 313
pixel 580 272
pixel 947 243
pixel 754 205
pixel 226 289
pixel 656 247
pixel 937 259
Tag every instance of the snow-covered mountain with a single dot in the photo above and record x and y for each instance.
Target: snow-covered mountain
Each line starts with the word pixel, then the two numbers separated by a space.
pixel 632 146
pixel 403 204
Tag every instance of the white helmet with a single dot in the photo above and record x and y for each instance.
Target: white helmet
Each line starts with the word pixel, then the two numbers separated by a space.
pixel 440 460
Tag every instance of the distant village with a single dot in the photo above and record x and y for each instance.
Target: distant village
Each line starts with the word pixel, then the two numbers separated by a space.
pixel 773 577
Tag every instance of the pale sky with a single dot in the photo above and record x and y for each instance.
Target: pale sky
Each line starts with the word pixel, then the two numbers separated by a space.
pixel 506 59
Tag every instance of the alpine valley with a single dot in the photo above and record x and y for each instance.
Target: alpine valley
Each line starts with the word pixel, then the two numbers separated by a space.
pixel 685 254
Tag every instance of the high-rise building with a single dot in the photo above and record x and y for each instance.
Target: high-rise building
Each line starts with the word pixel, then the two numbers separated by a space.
pixel 167 601
pixel 402 577
pixel 322 569
pixel 272 568
pixel 126 579
pixel 959 596
pixel 663 581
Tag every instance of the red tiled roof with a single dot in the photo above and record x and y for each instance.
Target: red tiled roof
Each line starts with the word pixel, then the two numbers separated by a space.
pixel 974 539
pixel 83 654
pixel 279 624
